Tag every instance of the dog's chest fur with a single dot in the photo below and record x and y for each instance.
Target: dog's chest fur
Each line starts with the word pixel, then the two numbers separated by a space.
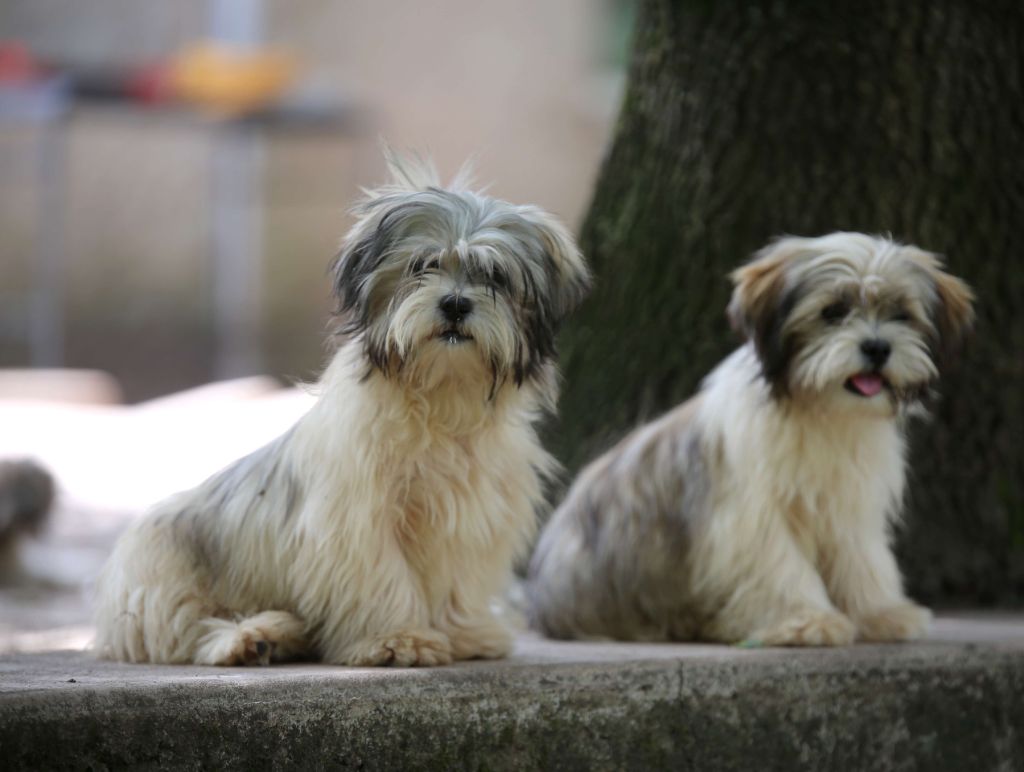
pixel 434 489
pixel 830 479
pixel 464 494
pixel 824 473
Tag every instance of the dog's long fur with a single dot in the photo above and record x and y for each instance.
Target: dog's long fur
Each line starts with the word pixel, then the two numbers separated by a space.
pixel 761 509
pixel 380 527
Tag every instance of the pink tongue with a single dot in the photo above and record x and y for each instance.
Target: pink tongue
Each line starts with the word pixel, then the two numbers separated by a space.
pixel 868 384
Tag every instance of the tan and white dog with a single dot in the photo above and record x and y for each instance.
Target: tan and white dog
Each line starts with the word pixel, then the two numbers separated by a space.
pixel 381 526
pixel 761 509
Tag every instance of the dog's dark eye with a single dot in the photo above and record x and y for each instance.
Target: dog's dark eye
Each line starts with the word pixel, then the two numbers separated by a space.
pixel 499 278
pixel 835 312
pixel 900 316
pixel 421 265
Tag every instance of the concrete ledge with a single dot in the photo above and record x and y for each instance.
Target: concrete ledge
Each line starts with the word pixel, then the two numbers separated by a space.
pixel 953 702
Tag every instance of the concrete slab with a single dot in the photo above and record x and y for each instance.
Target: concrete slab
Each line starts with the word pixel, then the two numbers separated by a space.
pixel 955 701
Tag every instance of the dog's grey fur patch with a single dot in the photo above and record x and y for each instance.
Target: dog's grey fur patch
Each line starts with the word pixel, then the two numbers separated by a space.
pixel 268 477
pixel 259 482
pixel 629 537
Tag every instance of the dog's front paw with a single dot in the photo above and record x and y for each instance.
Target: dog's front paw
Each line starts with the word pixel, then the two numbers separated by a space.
pixel 256 640
pixel 489 640
pixel 227 644
pixel 902 622
pixel 408 648
pixel 809 628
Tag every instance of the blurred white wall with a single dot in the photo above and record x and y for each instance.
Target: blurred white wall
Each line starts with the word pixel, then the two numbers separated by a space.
pixel 520 85
pixel 528 88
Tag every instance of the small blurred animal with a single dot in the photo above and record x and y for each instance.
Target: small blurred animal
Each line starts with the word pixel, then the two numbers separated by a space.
pixel 26 500
pixel 380 527
pixel 760 510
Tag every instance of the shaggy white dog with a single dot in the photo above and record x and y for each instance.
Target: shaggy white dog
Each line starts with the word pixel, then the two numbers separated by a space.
pixel 379 528
pixel 761 508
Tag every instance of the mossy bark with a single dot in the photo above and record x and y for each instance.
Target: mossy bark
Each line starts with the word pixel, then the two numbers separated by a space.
pixel 745 120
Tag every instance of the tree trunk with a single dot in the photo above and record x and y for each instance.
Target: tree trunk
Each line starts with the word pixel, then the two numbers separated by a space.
pixel 744 121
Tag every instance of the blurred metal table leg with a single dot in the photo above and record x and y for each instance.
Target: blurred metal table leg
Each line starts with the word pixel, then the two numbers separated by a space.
pixel 43 105
pixel 46 306
pixel 237 231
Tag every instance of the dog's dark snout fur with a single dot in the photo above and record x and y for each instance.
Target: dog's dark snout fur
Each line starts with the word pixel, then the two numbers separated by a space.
pixel 455 307
pixel 876 350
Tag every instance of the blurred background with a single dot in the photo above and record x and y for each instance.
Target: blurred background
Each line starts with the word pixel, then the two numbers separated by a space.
pixel 174 179
pixel 160 138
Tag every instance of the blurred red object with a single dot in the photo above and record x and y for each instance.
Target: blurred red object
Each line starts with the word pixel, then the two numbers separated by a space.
pixel 151 84
pixel 208 75
pixel 17 65
pixel 148 83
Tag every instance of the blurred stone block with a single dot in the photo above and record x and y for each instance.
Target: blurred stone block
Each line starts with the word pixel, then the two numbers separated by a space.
pixel 214 394
pixel 80 387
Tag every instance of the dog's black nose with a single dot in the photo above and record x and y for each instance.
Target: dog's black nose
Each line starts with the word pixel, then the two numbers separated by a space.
pixel 455 307
pixel 876 350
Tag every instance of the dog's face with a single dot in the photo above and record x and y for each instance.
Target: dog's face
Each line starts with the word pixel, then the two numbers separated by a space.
pixel 858 320
pixel 448 282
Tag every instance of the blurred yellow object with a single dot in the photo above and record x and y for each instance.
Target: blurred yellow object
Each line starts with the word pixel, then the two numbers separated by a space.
pixel 228 80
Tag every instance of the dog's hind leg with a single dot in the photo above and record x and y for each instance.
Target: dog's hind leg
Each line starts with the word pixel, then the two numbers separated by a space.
pixel 150 598
pixel 254 640
pixel 156 603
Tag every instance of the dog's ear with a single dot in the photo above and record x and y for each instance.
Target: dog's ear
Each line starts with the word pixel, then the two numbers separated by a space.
pixel 953 313
pixel 348 270
pixel 952 306
pixel 568 270
pixel 361 254
pixel 761 302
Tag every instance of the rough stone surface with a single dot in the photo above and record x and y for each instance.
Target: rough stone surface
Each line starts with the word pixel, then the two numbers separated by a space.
pixel 952 702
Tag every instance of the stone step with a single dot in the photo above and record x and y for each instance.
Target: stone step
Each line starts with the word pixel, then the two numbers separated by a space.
pixel 953 702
